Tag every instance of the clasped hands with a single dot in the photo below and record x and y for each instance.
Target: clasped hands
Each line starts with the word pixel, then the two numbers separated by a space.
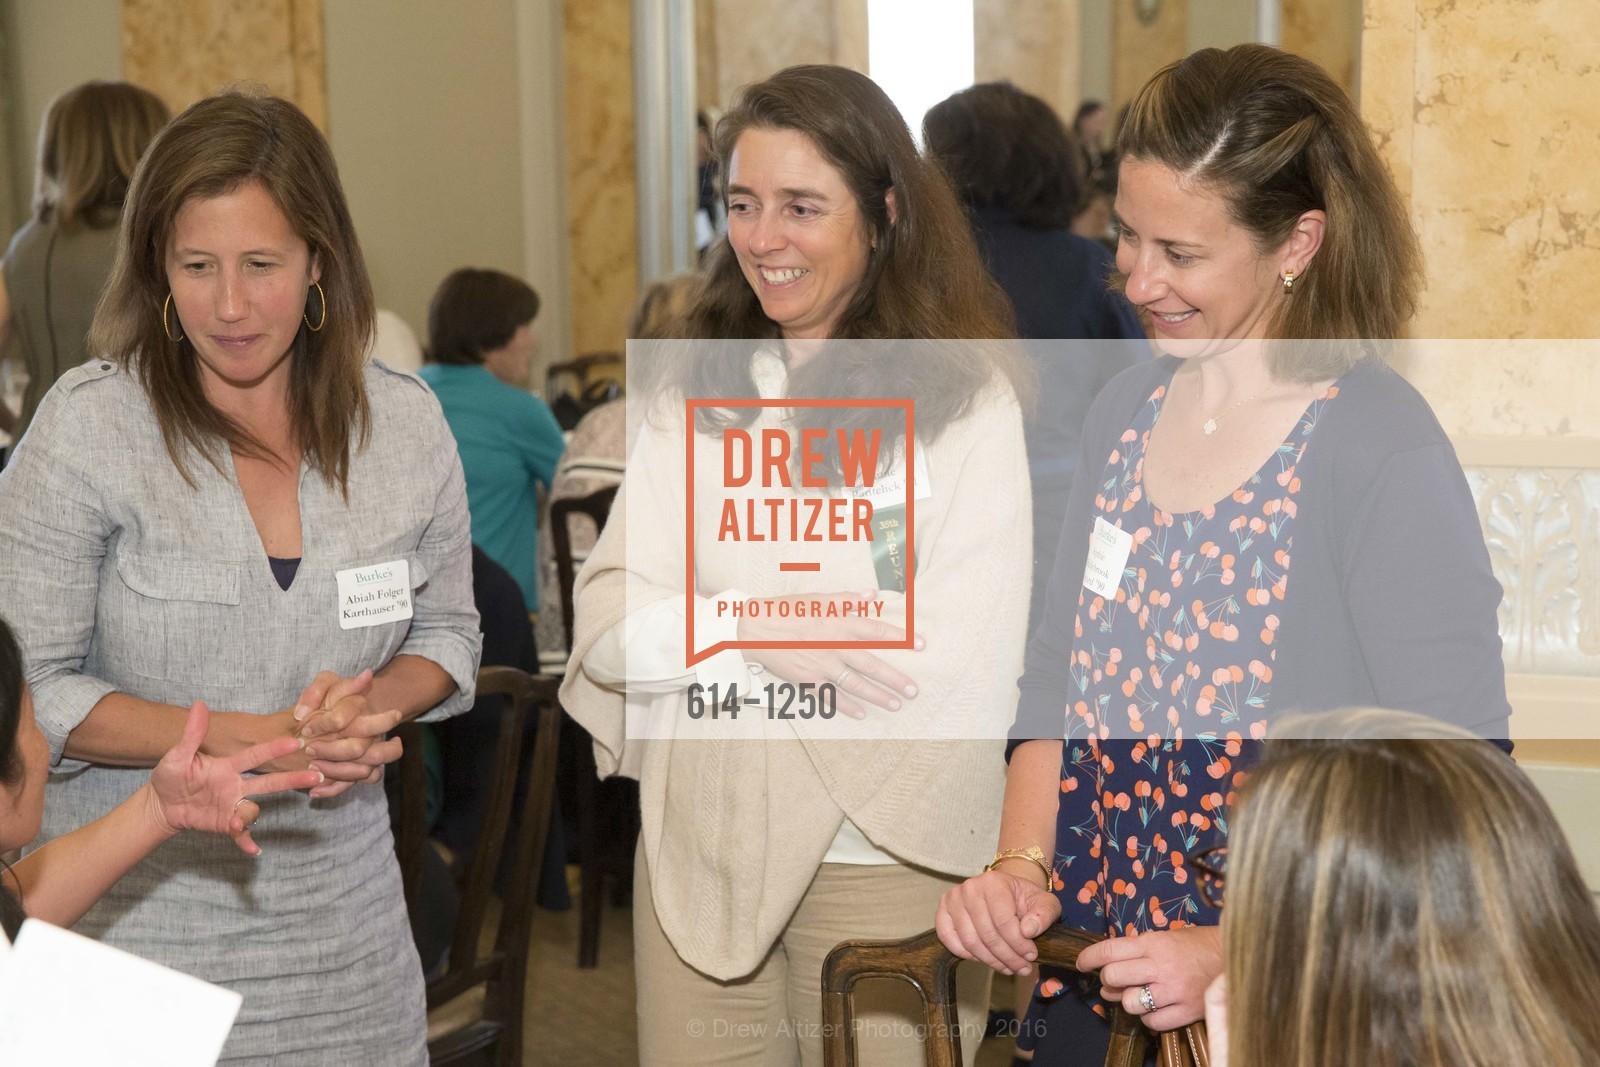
pixel 342 736
pixel 994 918
pixel 345 737
pixel 862 679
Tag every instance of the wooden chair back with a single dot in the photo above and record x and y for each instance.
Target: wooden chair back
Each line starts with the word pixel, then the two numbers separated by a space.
pixel 924 962
pixel 597 506
pixel 531 704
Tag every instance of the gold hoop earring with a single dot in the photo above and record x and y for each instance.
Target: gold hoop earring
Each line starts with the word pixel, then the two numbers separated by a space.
pixel 1288 282
pixel 322 299
pixel 165 328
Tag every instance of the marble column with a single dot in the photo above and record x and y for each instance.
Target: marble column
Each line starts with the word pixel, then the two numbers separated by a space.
pixel 187 49
pixel 1327 32
pixel 601 180
pixel 1140 48
pixel 1032 43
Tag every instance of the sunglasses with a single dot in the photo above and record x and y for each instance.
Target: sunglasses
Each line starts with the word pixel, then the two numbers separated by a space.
pixel 1210 867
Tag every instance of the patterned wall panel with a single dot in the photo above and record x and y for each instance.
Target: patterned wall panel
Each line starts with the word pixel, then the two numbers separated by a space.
pixel 1543 531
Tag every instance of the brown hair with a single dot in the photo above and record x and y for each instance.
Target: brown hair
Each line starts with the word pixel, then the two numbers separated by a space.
pixel 923 281
pixel 1277 137
pixel 1007 148
pixel 213 148
pixel 475 312
pixel 1400 893
pixel 89 144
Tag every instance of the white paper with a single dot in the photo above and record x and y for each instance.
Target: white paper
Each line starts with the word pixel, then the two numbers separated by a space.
pixel 68 1001
pixel 1109 548
pixel 372 596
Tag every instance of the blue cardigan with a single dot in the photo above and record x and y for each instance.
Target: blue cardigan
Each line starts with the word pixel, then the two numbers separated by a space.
pixel 1391 599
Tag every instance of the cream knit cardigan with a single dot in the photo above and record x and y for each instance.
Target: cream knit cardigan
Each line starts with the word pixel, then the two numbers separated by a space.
pixel 737 816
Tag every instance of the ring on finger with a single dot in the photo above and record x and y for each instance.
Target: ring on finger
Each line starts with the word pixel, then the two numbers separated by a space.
pixel 844 674
pixel 1147 1000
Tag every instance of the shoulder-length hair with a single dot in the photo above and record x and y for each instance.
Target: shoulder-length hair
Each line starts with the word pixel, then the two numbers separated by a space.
pixel 214 147
pixel 1277 137
pixel 1006 148
pixel 1398 892
pixel 475 311
pixel 89 144
pixel 924 281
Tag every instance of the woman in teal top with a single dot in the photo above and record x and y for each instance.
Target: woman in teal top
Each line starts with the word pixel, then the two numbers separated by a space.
pixel 480 347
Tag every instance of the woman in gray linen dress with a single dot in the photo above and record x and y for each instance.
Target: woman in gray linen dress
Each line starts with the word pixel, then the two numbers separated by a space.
pixel 233 507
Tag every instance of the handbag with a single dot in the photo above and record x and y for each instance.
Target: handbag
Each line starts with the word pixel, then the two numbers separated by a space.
pixel 1130 1043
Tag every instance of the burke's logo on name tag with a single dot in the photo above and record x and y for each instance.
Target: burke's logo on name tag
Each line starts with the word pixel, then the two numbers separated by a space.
pixel 371 596
pixel 1109 548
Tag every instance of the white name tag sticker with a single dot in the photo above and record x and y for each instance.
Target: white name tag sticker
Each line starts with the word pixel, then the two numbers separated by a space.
pixel 887 490
pixel 372 596
pixel 1109 549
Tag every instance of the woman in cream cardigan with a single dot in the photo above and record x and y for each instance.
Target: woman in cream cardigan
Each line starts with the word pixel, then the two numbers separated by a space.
pixel 766 840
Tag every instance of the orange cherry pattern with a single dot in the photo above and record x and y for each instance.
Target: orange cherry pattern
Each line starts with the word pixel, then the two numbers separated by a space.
pixel 1171 681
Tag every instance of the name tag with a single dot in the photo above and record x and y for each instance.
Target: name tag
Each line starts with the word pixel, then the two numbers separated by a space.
pixel 887 490
pixel 372 596
pixel 1109 548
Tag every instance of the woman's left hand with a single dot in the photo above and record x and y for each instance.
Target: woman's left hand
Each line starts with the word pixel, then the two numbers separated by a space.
pixel 1176 966
pixel 193 791
pixel 345 738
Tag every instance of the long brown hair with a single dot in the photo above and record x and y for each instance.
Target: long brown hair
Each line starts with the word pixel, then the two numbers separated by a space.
pixel 89 144
pixel 1276 137
pixel 925 280
pixel 1400 893
pixel 212 149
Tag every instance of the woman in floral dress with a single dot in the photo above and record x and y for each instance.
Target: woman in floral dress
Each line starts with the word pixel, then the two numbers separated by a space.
pixel 1265 524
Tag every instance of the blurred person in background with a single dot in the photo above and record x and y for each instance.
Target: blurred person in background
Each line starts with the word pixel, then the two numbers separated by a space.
pixel 480 352
pixel 1011 162
pixel 598 450
pixel 56 266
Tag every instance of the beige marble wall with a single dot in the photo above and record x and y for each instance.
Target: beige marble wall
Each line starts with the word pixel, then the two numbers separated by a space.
pixel 1490 115
pixel 755 38
pixel 1328 32
pixel 1138 51
pixel 1032 43
pixel 708 93
pixel 186 49
pixel 601 182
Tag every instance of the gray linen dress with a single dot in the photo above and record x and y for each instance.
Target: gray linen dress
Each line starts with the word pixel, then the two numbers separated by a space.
pixel 118 576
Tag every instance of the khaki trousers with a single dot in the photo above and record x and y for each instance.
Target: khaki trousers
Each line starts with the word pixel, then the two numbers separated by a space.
pixel 773 1017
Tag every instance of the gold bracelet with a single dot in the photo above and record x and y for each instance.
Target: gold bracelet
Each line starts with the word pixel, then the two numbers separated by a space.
pixel 1033 854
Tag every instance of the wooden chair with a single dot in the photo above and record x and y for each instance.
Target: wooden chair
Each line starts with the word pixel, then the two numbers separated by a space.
pixel 931 968
pixel 597 506
pixel 607 812
pixel 475 1006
